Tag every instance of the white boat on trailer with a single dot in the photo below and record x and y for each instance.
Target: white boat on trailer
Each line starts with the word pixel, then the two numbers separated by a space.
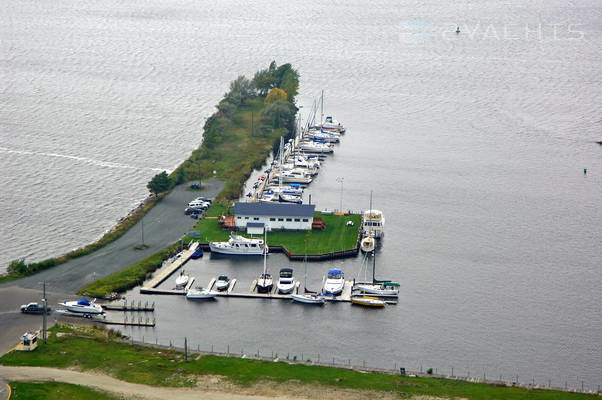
pixel 239 245
pixel 82 306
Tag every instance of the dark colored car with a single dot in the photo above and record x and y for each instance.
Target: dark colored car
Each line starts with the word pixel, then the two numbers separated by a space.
pixel 193 211
pixel 34 308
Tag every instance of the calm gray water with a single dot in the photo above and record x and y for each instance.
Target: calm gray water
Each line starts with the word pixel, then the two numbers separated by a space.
pixel 474 145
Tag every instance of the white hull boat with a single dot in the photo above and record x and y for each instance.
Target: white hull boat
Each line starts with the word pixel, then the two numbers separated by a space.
pixel 286 283
pixel 82 306
pixel 309 298
pixel 265 283
pixel 377 289
pixel 368 244
pixel 182 280
pixel 335 282
pixel 222 283
pixel 200 293
pixel 313 147
pixel 295 177
pixel 239 245
pixel 373 223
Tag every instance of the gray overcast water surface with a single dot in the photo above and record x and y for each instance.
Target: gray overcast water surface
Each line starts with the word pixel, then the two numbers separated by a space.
pixel 474 145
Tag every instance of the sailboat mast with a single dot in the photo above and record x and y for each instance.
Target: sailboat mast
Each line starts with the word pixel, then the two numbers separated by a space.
pixel 280 167
pixel 322 109
pixel 373 266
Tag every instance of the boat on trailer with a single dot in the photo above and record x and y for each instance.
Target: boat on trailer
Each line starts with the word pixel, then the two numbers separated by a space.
pixel 82 306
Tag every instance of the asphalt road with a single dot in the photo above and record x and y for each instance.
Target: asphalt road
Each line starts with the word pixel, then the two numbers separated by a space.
pixel 164 224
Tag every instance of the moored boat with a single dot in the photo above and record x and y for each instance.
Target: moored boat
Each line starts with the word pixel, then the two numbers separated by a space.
pixel 200 293
pixel 373 223
pixel 367 301
pixel 286 282
pixel 222 282
pixel 309 298
pixel 265 282
pixel 182 280
pixel 335 282
pixel 367 244
pixel 239 245
pixel 198 253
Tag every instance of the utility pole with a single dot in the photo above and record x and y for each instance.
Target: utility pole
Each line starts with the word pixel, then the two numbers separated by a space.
pixel 252 123
pixel 340 180
pixel 142 229
pixel 44 315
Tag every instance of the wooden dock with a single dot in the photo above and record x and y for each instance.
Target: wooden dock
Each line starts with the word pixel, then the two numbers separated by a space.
pixel 345 296
pixel 151 286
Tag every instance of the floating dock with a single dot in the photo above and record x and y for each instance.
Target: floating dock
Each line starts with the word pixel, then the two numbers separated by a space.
pixel 151 286
pixel 345 296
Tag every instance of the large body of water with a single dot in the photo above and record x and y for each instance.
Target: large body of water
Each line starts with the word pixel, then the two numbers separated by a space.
pixel 474 145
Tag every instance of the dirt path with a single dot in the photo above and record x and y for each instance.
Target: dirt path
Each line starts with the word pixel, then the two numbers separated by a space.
pixel 106 383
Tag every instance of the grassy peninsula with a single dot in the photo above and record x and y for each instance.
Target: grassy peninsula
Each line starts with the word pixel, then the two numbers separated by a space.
pixel 91 349
pixel 237 138
pixel 337 235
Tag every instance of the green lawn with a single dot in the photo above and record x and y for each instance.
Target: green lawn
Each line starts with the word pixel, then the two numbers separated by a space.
pixel 337 235
pixel 55 391
pixel 86 348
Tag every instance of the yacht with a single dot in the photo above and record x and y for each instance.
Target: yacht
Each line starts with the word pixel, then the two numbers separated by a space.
pixel 239 245
pixel 295 176
pixel 335 282
pixel 325 136
pixel 373 223
pixel 378 288
pixel 367 244
pixel 82 306
pixel 286 283
pixel 331 124
pixel 222 283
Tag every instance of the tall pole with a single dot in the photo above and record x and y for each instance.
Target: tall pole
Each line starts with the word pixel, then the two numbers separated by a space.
pixel 142 229
pixel 252 121
pixel 44 318
pixel 340 180
pixel 322 109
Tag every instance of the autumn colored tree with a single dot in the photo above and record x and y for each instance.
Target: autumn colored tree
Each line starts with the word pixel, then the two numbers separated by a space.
pixel 275 95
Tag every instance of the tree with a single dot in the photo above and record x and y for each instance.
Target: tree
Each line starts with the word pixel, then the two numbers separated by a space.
pixel 290 84
pixel 240 89
pixel 159 184
pixel 275 95
pixel 279 113
pixel 263 81
pixel 18 266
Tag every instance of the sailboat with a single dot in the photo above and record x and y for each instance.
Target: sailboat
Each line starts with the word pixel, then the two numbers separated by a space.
pixel 265 282
pixel 308 297
pixel 384 288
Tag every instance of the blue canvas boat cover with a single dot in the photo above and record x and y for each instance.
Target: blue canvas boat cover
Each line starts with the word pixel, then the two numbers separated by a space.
pixel 83 302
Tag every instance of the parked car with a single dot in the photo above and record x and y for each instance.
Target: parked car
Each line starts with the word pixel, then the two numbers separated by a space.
pixel 195 186
pixel 205 199
pixel 193 211
pixel 34 308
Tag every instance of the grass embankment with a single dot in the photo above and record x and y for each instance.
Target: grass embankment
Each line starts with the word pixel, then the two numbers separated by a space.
pixel 337 235
pixel 55 391
pixel 21 269
pixel 86 348
pixel 129 277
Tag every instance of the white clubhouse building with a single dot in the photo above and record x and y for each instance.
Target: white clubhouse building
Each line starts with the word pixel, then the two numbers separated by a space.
pixel 255 217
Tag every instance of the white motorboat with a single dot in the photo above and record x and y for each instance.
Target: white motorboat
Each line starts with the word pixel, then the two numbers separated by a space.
pixel 293 188
pixel 295 176
pixel 182 280
pixel 265 282
pixel 367 244
pixel 222 283
pixel 309 298
pixel 289 198
pixel 286 282
pixel 239 245
pixel 314 147
pixel 82 306
pixel 373 223
pixel 335 282
pixel 325 136
pixel 200 293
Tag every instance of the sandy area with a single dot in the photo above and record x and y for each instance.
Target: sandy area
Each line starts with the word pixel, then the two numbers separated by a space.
pixel 208 387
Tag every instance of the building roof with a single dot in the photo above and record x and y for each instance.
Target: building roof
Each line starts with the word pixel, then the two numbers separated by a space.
pixel 274 209
pixel 255 224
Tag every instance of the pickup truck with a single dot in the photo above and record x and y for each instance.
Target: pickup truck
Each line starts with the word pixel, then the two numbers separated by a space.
pixel 34 308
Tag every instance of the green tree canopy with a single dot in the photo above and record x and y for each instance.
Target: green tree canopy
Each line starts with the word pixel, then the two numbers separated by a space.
pixel 240 89
pixel 290 84
pixel 159 184
pixel 280 113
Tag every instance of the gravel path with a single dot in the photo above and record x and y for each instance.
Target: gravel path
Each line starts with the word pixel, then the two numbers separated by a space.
pixel 112 385
pixel 164 224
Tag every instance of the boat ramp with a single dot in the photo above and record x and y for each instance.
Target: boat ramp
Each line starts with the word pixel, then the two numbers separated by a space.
pixel 184 256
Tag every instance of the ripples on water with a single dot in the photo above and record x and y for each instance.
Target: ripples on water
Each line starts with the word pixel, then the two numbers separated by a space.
pixel 475 148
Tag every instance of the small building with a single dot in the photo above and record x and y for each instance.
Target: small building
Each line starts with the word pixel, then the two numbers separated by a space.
pixel 255 228
pixel 274 216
